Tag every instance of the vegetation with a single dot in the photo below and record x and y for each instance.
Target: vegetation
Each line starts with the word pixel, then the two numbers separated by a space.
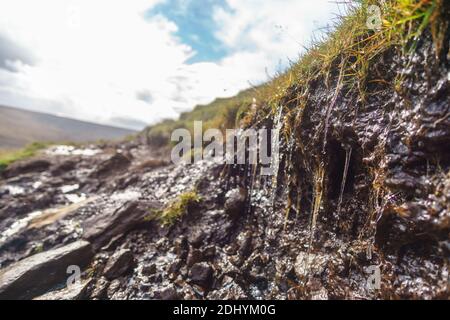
pixel 350 47
pixel 7 157
pixel 176 209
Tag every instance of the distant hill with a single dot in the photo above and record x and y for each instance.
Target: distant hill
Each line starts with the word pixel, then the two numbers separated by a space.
pixel 20 127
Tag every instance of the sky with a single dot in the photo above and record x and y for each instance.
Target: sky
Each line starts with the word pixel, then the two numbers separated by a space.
pixel 137 62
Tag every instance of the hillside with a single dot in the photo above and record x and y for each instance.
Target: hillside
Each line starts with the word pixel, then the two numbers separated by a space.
pixel 358 206
pixel 20 127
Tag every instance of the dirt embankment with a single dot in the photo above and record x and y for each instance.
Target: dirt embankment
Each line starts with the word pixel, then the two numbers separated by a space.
pixel 363 190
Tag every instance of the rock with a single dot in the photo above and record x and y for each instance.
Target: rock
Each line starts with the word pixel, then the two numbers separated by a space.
pixel 181 247
pixel 201 274
pixel 149 269
pixel 100 288
pixel 209 252
pixel 235 202
pixel 229 290
pixel 117 163
pixel 310 264
pixel 119 263
pixel 113 288
pixel 194 256
pixel 196 237
pixel 103 227
pixel 23 167
pixel 37 274
pixel 75 292
pixel 64 167
pixel 245 243
pixel 169 293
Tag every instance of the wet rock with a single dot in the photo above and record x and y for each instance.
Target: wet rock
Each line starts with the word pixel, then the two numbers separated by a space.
pixel 245 244
pixel 229 290
pixel 194 256
pixel 113 287
pixel 117 163
pixel 181 247
pixel 23 167
pixel 63 168
pixel 77 291
pixel 209 252
pixel 99 289
pixel 201 274
pixel 149 269
pixel 196 237
pixel 104 226
pixel 310 264
pixel 169 293
pixel 35 275
pixel 235 202
pixel 174 268
pixel 119 263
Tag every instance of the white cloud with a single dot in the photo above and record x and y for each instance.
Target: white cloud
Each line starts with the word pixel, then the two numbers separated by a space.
pixel 102 60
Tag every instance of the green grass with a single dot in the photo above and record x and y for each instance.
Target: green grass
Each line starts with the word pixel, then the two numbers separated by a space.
pixel 8 157
pixel 349 49
pixel 221 114
pixel 176 209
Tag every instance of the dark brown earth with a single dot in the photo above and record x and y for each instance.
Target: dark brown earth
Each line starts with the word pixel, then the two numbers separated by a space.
pixel 361 185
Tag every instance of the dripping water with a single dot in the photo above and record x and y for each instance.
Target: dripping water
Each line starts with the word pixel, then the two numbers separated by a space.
pixel 348 155
pixel 275 161
pixel 317 196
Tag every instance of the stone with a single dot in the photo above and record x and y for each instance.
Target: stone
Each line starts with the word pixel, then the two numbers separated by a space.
pixel 104 226
pixel 77 291
pixel 116 163
pixel 28 166
pixel 235 202
pixel 169 293
pixel 119 263
pixel 149 269
pixel 194 256
pixel 209 252
pixel 37 274
pixel 63 167
pixel 113 287
pixel 201 274
pixel 310 264
pixel 100 288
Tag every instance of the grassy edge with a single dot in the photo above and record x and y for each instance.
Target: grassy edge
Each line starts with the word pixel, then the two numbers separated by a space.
pixel 350 47
pixel 9 157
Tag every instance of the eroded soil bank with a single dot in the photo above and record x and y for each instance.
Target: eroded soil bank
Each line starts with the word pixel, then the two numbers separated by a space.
pixel 363 184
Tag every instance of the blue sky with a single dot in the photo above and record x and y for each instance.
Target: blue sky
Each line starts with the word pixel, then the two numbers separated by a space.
pixel 132 63
pixel 196 26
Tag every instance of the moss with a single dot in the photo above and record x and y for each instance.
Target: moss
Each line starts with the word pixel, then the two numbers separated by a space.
pixel 8 157
pixel 176 209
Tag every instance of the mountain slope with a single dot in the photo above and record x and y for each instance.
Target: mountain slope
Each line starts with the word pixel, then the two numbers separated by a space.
pixel 21 127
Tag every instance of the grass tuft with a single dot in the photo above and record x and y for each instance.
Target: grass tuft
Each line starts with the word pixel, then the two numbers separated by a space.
pixel 176 209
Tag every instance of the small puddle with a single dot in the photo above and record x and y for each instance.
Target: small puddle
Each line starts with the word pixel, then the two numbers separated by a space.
pixel 64 150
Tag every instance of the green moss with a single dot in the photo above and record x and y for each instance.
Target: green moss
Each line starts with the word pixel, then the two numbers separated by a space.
pixel 175 210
